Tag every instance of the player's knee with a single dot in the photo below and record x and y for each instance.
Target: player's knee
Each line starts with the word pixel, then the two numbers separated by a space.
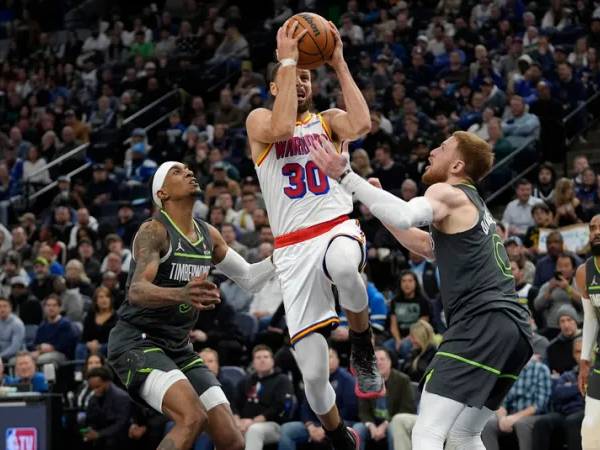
pixel 342 269
pixel 234 441
pixel 461 440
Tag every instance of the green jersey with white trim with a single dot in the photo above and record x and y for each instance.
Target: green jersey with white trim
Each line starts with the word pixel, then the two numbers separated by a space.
pixel 183 261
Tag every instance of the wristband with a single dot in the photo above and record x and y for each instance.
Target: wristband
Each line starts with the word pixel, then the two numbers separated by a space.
pixel 287 62
pixel 344 175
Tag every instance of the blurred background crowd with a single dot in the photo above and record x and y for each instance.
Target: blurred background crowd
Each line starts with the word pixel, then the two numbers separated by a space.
pixel 95 94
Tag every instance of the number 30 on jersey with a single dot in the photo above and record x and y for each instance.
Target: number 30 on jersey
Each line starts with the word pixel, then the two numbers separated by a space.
pixel 303 178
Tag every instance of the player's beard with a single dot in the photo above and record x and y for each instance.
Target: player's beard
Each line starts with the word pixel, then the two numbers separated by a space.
pixel 304 105
pixel 596 248
pixel 434 175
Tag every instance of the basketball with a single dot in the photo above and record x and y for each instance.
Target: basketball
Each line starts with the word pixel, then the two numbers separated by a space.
pixel 318 43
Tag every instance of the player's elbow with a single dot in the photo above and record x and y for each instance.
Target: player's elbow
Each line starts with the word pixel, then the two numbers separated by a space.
pixel 133 295
pixel 362 127
pixel 283 132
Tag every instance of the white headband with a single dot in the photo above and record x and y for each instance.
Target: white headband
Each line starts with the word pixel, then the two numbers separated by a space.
pixel 159 180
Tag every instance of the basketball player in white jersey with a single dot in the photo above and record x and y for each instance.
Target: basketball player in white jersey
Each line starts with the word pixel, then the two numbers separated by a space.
pixel 588 281
pixel 316 244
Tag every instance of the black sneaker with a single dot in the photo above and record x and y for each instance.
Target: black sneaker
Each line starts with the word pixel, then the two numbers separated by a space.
pixel 350 440
pixel 363 366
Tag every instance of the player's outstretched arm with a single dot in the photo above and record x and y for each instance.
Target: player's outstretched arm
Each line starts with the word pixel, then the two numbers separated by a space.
pixel 356 120
pixel 590 329
pixel 267 126
pixel 251 277
pixel 148 244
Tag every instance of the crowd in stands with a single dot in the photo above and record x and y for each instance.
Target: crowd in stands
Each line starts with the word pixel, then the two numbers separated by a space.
pixel 507 70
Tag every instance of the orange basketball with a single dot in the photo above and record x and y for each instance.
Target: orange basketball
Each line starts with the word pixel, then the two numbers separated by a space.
pixel 317 45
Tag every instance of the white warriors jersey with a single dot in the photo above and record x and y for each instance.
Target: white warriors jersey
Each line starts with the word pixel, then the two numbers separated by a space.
pixel 296 193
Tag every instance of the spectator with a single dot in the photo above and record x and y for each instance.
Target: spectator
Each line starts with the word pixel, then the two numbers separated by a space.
pixel 526 292
pixel 217 329
pixel 26 375
pixel 546 266
pixel 517 215
pixel 42 284
pixel 580 163
pixel 233 48
pixel 227 113
pixel 550 112
pixel 71 300
pixel 98 323
pixel 12 331
pixel 85 254
pixel 375 414
pixel 543 216
pixel 544 188
pixel 524 404
pixel 568 405
pixel 83 393
pixel 519 122
pixel 32 169
pixel 390 173
pixel 77 279
pixel 84 221
pixel 406 308
pixel 140 168
pixel 114 244
pixel 260 411
pixel 11 268
pixel 55 339
pixel 560 290
pixel 127 226
pixel 517 253
pixel 350 31
pixel 243 220
pixel 560 351
pixel 501 146
pixel 309 428
pixel 569 90
pixel 20 244
pixel 229 235
pixel 101 189
pixel 568 207
pixel 587 194
pixel 108 412
pixel 424 347
pixel 104 117
pixel 361 163
pixel 25 305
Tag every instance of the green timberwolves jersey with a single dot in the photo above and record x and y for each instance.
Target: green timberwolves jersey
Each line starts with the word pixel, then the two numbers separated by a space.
pixel 592 278
pixel 170 325
pixel 475 273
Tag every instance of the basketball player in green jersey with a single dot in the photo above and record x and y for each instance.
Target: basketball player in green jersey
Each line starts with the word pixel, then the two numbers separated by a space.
pixel 588 281
pixel 488 340
pixel 149 348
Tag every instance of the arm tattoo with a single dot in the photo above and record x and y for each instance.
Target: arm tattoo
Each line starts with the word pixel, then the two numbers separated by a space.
pixel 150 240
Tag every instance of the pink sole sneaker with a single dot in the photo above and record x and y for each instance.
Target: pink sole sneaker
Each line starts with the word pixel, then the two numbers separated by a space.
pixel 367 395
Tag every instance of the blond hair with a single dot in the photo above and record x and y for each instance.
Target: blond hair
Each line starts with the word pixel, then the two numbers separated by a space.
pixel 478 155
pixel 560 192
pixel 422 332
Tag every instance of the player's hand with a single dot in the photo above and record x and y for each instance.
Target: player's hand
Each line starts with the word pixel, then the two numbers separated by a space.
pixel 584 373
pixel 91 435
pixel 287 44
pixel 375 182
pixel 505 424
pixel 200 293
pixel 316 434
pixel 327 159
pixel 337 57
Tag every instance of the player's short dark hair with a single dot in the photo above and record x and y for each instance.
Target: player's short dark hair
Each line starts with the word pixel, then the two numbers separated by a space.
pixel 262 348
pixel 101 372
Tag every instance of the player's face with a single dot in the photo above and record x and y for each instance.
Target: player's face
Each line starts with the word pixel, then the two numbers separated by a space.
pixel 440 161
pixel 180 183
pixel 303 90
pixel 595 235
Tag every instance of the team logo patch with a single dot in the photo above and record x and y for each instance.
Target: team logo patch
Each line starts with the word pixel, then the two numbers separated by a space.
pixel 21 438
pixel 184 308
pixel 179 246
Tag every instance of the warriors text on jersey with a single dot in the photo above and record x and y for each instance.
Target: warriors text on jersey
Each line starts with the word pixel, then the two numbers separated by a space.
pixel 297 194
pixel 475 273
pixel 184 260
